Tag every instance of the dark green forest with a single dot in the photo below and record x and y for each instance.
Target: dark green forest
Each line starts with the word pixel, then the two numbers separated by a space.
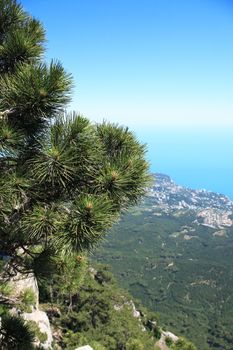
pixel 86 306
pixel 96 312
pixel 179 269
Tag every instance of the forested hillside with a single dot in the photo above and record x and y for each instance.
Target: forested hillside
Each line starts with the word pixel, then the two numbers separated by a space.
pixel 94 310
pixel 178 268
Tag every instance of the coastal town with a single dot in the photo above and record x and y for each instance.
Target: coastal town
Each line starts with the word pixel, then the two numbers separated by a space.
pixel 211 209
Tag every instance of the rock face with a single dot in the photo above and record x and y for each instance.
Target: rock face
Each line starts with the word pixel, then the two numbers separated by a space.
pixel 161 343
pixel 170 335
pixel 18 285
pixel 42 321
pixel 135 312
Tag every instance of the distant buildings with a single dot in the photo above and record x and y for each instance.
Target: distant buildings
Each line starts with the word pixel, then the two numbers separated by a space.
pixel 211 209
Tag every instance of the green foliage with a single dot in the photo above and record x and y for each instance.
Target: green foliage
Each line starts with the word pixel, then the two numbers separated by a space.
pixel 183 344
pixel 72 274
pixel 21 37
pixel 157 331
pixel 168 341
pixel 101 314
pixel 16 334
pixel 28 300
pixel 126 165
pixel 5 288
pixel 41 222
pixel 44 264
pixel 22 44
pixel 36 91
pixel 33 326
pixel 97 346
pixel 90 218
pixel 134 344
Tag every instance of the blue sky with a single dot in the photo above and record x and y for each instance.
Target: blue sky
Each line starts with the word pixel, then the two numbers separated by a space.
pixel 163 67
pixel 163 62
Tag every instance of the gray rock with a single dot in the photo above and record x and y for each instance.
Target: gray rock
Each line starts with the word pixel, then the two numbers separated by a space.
pixel 21 282
pixel 170 335
pixel 41 319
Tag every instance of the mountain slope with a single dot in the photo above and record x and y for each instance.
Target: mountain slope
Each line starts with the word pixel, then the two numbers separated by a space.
pixel 103 316
pixel 178 264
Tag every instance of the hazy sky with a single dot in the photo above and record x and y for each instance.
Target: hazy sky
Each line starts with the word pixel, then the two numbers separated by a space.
pixel 145 62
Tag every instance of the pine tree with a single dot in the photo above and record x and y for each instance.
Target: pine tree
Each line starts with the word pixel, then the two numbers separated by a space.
pixel 63 179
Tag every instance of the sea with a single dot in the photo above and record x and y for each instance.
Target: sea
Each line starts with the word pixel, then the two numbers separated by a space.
pixel 198 158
